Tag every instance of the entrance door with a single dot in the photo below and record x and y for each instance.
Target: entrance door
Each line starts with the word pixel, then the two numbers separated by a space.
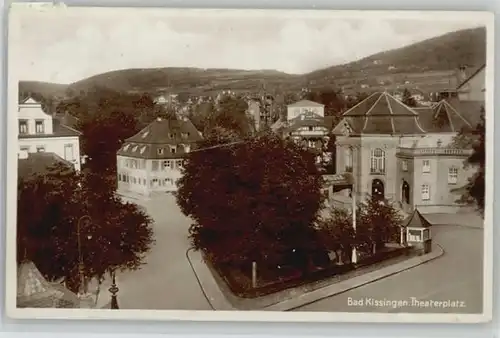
pixel 378 189
pixel 405 193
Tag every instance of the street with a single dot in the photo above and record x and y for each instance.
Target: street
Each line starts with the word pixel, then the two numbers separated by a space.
pixel 167 281
pixel 457 275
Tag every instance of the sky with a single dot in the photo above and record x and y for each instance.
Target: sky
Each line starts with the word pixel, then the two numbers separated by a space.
pixel 68 46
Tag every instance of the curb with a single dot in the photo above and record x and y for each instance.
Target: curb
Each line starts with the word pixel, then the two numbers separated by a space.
pixel 314 296
pixel 218 301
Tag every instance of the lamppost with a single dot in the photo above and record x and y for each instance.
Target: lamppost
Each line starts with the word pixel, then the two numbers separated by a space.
pixel 81 267
pixel 354 257
pixel 114 290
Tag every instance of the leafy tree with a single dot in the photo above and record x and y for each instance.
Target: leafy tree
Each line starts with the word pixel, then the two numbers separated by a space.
pixel 475 188
pixel 244 207
pixel 379 223
pixel 408 99
pixel 230 113
pixel 337 234
pixel 102 136
pixel 50 215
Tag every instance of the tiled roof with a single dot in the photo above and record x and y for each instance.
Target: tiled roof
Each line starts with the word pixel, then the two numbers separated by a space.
pixel 306 103
pixel 306 120
pixel 416 220
pixel 34 291
pixel 450 115
pixel 159 139
pixel 40 163
pixel 381 113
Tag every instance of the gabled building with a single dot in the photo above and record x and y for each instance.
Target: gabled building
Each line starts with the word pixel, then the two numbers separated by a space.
pixel 473 87
pixel 41 132
pixel 405 154
pixel 151 160
pixel 305 106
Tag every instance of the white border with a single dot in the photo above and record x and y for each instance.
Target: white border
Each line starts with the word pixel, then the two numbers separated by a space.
pixel 24 9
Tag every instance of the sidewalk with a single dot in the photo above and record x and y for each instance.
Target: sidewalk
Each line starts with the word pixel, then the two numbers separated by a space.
pixel 298 296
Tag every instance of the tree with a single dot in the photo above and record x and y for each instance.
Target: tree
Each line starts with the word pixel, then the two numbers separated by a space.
pixel 245 207
pixel 230 113
pixel 51 210
pixel 337 234
pixel 408 99
pixel 102 136
pixel 475 189
pixel 379 223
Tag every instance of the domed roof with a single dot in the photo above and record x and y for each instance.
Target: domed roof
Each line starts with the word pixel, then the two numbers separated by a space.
pixel 381 113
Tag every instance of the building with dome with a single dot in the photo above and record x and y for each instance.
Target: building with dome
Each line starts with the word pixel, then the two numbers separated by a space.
pixel 404 154
pixel 151 160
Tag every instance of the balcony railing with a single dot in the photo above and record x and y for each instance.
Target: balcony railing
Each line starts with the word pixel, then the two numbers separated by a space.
pixel 434 151
pixel 377 171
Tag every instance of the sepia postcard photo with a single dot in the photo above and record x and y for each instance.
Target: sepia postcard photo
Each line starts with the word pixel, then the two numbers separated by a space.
pixel 249 165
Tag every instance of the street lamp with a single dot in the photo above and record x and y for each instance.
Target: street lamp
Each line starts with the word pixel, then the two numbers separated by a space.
pixel 354 258
pixel 114 290
pixel 81 267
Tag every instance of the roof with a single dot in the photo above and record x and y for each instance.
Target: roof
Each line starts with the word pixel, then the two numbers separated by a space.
pixel 306 103
pixel 306 120
pixel 450 115
pixel 160 137
pixel 381 113
pixel 68 120
pixel 40 163
pixel 471 76
pixel 416 220
pixel 34 291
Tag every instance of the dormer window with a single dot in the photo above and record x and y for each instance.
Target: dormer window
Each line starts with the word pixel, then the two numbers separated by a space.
pixel 134 149
pixel 145 134
pixel 39 127
pixel 126 147
pixel 160 151
pixel 173 149
pixel 143 149
pixel 23 127
pixel 185 135
pixel 171 135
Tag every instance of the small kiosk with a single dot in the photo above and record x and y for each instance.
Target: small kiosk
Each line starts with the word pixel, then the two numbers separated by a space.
pixel 416 232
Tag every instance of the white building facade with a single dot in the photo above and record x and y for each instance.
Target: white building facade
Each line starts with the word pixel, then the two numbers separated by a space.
pixel 40 132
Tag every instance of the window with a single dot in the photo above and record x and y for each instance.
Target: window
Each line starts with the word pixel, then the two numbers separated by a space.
pixel 25 149
pixel 145 134
pixel 143 149
pixel 184 135
pixel 134 148
pixel 348 159
pixel 173 149
pixel 426 166
pixel 404 165
pixel 426 193
pixel 310 128
pixel 452 175
pixel 187 148
pixel 154 165
pixel 126 147
pixel 178 163
pixel 68 152
pixel 23 127
pixel 414 236
pixel 166 164
pixel 40 149
pixel 39 127
pixel 311 143
pixel 160 151
pixel 378 161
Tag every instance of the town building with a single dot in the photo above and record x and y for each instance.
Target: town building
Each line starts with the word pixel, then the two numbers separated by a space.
pixel 473 88
pixel 405 155
pixel 39 131
pixel 307 125
pixel 151 160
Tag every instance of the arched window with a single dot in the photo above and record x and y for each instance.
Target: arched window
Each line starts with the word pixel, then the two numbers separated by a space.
pixel 378 161
pixel 348 159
